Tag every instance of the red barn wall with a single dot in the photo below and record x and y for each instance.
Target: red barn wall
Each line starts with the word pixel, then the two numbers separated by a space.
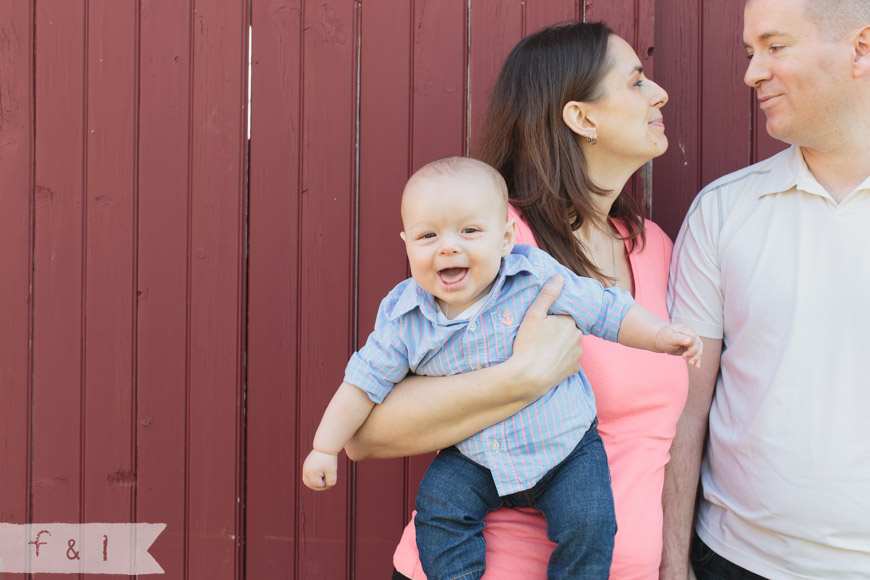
pixel 179 302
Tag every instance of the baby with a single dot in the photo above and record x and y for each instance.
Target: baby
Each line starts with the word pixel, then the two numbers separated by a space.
pixel 460 311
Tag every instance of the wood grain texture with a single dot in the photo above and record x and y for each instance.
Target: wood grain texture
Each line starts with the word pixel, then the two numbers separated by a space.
pixel 326 283
pixel 676 174
pixel 163 258
pixel 384 165
pixel 16 259
pixel 58 256
pixel 216 278
pixel 726 123
pixel 108 466
pixel 275 254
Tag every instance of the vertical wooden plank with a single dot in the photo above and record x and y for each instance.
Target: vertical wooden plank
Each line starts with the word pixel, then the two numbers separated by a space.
pixel 217 247
pixel 541 13
pixel 58 255
pixel 326 271
pixel 384 117
pixel 726 122
pixel 273 293
pixel 620 15
pixel 162 312
pixel 439 73
pixel 676 174
pixel 438 114
pixel 495 28
pixel 16 259
pixel 107 461
pixel 645 33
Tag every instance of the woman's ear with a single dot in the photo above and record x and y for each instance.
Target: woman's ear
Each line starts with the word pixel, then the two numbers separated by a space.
pixel 575 114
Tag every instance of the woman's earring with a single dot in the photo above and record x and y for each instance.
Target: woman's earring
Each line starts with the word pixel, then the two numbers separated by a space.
pixel 592 140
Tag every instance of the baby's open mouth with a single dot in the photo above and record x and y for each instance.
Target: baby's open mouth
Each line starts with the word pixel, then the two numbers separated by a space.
pixel 452 275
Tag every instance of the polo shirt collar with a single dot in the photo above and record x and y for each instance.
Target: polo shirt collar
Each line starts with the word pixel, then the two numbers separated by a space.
pixel 413 296
pixel 788 170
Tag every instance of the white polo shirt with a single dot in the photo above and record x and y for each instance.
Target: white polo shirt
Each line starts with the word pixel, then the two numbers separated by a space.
pixel 769 262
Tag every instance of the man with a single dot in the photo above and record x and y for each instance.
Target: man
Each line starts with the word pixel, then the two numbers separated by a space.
pixel 772 266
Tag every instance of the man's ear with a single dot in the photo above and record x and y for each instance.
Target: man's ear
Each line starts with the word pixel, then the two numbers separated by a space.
pixel 861 53
pixel 576 115
pixel 510 236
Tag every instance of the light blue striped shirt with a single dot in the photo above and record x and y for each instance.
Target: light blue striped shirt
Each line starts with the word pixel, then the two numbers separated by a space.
pixel 411 336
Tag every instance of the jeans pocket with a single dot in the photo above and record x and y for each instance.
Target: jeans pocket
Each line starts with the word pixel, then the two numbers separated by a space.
pixel 700 553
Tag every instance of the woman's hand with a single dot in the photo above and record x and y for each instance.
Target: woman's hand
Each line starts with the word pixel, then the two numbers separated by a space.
pixel 423 414
pixel 547 348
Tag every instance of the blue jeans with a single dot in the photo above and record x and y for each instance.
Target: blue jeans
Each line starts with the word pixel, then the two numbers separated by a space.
pixel 709 565
pixel 575 496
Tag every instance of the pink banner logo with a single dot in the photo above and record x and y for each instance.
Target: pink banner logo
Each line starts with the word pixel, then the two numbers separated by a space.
pixel 79 548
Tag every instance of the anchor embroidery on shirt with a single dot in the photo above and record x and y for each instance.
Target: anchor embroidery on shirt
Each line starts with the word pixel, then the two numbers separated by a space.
pixel 506 318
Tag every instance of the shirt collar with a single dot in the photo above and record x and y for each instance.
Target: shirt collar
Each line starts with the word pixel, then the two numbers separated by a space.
pixel 788 170
pixel 413 296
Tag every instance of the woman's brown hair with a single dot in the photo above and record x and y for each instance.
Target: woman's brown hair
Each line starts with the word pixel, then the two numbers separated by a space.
pixel 525 138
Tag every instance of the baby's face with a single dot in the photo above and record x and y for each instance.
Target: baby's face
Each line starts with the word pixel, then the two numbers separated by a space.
pixel 456 232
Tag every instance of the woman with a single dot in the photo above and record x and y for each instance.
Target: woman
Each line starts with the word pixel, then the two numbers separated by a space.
pixel 570 120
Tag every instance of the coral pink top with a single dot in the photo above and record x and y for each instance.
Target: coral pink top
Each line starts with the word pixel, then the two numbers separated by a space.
pixel 640 396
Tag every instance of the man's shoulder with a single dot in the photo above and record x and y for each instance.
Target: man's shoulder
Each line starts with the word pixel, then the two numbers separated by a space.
pixel 743 179
pixel 742 188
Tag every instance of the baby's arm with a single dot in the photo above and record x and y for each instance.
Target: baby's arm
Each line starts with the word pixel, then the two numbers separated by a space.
pixel 348 409
pixel 640 328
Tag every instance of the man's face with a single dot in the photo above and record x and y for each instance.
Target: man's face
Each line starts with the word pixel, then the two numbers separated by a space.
pixel 802 80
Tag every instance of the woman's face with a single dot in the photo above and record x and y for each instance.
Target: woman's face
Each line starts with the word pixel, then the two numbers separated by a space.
pixel 628 117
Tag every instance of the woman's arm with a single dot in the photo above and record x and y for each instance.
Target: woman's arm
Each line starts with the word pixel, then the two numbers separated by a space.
pixel 423 414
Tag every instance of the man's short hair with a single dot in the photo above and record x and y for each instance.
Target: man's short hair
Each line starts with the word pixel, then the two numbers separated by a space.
pixel 837 18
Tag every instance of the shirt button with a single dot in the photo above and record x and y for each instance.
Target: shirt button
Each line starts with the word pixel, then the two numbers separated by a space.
pixel 494 445
pixel 472 327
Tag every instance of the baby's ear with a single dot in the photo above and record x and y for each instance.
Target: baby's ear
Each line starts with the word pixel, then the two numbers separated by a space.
pixel 402 235
pixel 510 235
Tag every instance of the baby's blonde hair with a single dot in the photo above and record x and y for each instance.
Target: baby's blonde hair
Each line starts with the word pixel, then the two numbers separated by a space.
pixel 456 166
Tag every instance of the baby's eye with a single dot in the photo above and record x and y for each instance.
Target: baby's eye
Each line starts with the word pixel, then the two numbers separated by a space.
pixel 427 236
pixel 470 230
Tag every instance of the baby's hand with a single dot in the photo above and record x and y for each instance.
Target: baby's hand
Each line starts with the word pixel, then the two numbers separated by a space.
pixel 320 470
pixel 680 340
